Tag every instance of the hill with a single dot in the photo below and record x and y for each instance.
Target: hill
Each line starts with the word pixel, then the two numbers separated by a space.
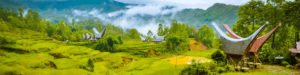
pixel 54 10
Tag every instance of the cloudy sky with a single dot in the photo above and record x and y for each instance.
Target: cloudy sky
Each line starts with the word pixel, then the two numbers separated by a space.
pixel 152 8
pixel 203 4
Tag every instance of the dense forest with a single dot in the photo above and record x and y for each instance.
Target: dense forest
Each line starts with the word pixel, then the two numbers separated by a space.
pixel 32 45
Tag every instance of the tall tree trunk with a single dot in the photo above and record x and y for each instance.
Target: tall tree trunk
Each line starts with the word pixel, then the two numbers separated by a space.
pixel 273 40
pixel 296 38
pixel 253 24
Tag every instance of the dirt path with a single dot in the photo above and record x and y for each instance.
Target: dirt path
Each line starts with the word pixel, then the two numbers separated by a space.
pixel 196 46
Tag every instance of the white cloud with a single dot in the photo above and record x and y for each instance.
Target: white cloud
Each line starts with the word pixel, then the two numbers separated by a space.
pixel 127 18
pixel 203 4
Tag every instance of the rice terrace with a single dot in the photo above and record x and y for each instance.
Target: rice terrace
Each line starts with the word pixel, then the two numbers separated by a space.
pixel 149 37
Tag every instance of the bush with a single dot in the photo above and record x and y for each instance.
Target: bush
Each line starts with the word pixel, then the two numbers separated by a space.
pixel 219 56
pixel 229 68
pixel 285 63
pixel 5 40
pixel 196 69
pixel 176 44
pixel 106 44
pixel 90 65
pixel 200 69
pixel 268 54
pixel 102 45
pixel 221 69
pixel 288 66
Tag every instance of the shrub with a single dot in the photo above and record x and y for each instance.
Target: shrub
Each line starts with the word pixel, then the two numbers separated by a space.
pixel 219 56
pixel 102 45
pixel 285 63
pixel 288 66
pixel 221 69
pixel 176 44
pixel 229 68
pixel 5 40
pixel 90 65
pixel 196 69
pixel 107 44
pixel 268 54
pixel 200 69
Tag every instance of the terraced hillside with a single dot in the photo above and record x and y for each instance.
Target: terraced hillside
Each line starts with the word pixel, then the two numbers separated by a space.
pixel 32 53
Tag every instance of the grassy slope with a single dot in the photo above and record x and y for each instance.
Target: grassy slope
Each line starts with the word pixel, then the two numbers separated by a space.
pixel 34 51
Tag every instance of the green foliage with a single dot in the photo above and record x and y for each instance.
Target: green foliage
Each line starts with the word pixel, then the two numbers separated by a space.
pixel 3 25
pixel 200 17
pixel 267 55
pixel 134 34
pixel 91 65
pixel 102 45
pixel 149 36
pixel 199 69
pixel 120 40
pixel 177 37
pixel 255 13
pixel 5 40
pixel 219 56
pixel 107 44
pixel 206 36
pixel 284 63
pixel 176 44
pixel 160 31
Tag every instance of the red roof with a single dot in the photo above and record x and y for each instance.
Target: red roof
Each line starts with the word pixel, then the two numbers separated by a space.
pixel 196 29
pixel 258 41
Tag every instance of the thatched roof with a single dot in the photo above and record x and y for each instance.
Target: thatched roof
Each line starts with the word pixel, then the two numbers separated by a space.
pixel 258 41
pixel 97 34
pixel 236 46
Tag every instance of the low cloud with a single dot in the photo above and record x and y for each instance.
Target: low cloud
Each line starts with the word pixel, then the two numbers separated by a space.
pixel 133 17
pixel 203 4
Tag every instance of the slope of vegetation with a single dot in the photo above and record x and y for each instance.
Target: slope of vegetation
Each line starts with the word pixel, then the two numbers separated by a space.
pixel 31 45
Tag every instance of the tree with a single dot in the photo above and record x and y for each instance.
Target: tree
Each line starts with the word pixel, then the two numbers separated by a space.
pixel 160 30
pixel 149 35
pixel 111 41
pixel 249 14
pixel 134 34
pixel 16 21
pixel 219 56
pixel 206 36
pixel 21 11
pixel 33 20
pixel 102 45
pixel 90 65
pixel 166 30
pixel 292 16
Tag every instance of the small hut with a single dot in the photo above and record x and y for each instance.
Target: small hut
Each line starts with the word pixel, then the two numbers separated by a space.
pixel 296 52
pixel 96 35
pixel 236 49
pixel 258 42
